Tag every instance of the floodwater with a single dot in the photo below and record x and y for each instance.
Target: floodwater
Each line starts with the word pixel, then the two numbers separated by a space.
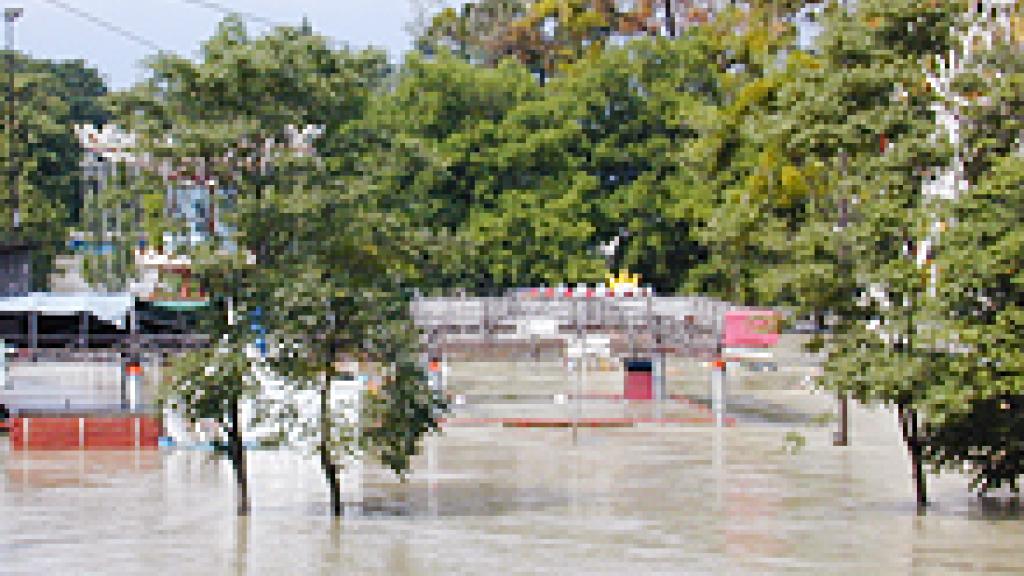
pixel 748 499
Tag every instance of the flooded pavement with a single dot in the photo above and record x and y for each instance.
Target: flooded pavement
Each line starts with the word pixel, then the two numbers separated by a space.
pixel 750 499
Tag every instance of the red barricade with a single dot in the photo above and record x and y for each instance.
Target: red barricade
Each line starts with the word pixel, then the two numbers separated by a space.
pixel 85 432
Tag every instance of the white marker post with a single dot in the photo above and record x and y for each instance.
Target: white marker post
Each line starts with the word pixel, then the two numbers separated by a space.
pixel 718 391
pixel 658 369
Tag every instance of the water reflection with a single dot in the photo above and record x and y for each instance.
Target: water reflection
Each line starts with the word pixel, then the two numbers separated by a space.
pixel 241 545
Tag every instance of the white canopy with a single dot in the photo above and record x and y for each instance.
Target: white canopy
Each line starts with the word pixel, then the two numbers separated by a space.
pixel 109 307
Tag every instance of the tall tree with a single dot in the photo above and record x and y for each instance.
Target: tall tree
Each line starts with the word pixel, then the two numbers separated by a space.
pixel 330 262
pixel 214 382
pixel 977 246
pixel 543 35
pixel 865 145
pixel 42 153
pixel 343 294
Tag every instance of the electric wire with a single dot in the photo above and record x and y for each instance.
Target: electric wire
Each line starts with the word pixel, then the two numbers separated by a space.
pixel 216 7
pixel 109 26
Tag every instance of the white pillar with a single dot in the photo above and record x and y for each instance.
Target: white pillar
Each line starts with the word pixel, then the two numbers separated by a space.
pixel 718 391
pixel 135 389
pixel 444 372
pixel 658 376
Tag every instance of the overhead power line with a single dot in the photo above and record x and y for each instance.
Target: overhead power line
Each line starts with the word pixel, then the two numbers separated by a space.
pixel 106 25
pixel 216 7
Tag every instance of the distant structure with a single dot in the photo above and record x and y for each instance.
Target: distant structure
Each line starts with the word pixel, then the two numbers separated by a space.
pixel 193 198
pixel 15 269
pixel 301 140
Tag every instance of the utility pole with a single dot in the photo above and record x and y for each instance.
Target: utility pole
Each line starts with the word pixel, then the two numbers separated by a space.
pixel 10 16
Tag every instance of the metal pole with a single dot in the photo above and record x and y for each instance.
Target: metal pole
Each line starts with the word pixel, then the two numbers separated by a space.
pixel 583 373
pixel 718 391
pixel 83 329
pixel 718 467
pixel 718 371
pixel 660 381
pixel 124 383
pixel 33 332
pixel 842 437
pixel 10 16
pixel 579 373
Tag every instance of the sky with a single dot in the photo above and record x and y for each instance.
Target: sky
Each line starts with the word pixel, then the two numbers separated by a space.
pixel 48 31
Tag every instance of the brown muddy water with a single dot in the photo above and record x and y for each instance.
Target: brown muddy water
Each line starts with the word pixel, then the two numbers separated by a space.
pixel 750 499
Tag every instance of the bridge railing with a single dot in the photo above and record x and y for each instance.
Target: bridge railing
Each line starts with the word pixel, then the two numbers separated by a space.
pixel 672 322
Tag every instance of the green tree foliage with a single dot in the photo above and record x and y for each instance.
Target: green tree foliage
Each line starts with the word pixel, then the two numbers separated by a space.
pixel 341 292
pixel 861 148
pixel 474 31
pixel 986 438
pixel 41 151
pixel 213 382
pixel 127 211
pixel 334 269
pixel 543 35
pixel 981 306
pixel 530 180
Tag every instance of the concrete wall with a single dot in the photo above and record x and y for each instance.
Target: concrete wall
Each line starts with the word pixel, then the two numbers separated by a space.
pixel 74 385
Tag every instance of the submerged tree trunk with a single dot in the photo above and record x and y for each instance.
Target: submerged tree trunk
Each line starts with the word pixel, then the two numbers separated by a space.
pixel 236 452
pixel 327 463
pixel 912 437
pixel 917 461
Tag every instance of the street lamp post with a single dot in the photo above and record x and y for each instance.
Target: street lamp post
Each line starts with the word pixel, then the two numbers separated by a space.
pixel 10 16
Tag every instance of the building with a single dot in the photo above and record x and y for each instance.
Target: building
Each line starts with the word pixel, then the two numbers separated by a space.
pixel 194 202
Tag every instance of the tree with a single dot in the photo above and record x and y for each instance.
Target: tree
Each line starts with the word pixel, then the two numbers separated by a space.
pixel 543 35
pixel 976 407
pixel 331 264
pixel 977 249
pixel 42 153
pixel 633 142
pixel 420 150
pixel 474 31
pixel 823 203
pixel 865 145
pixel 212 383
pixel 754 194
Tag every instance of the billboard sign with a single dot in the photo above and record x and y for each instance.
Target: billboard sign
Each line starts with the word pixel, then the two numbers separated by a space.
pixel 751 329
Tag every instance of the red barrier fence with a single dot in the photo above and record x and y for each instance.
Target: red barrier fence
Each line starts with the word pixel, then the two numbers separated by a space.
pixel 85 432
